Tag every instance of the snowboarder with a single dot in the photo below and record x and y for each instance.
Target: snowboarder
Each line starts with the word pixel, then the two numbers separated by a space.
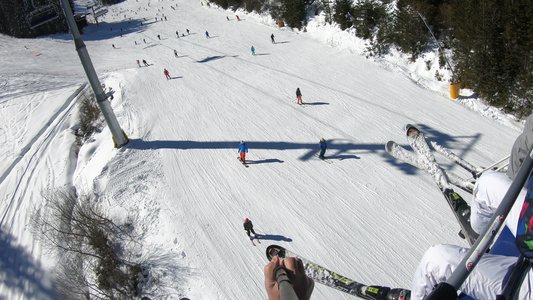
pixel 323 146
pixel 248 227
pixel 272 38
pixel 167 75
pixel 299 96
pixel 145 63
pixel 243 149
pixel 253 50
pixel 206 34
pixel 175 53
pixel 139 63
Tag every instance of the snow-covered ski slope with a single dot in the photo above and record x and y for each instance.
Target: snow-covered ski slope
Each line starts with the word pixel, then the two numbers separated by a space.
pixel 365 215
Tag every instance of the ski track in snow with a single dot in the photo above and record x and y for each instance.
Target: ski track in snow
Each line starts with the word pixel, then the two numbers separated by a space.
pixel 364 216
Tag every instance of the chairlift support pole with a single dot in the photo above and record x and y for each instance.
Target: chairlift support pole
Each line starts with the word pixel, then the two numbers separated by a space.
pixel 119 137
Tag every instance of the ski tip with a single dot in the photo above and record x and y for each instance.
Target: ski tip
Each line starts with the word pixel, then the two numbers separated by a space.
pixel 411 130
pixel 275 250
pixel 389 145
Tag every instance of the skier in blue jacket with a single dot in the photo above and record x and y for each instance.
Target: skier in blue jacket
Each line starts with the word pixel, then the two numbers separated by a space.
pixel 323 146
pixel 243 149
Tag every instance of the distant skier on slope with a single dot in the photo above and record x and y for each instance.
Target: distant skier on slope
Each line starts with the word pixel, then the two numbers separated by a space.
pixel 323 145
pixel 167 75
pixel 249 227
pixel 272 38
pixel 298 96
pixel 253 50
pixel 243 149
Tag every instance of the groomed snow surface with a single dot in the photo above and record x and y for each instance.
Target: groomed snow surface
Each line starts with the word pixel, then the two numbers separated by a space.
pixel 364 215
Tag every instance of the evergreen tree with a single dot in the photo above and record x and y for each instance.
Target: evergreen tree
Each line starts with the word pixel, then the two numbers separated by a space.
pixel 343 13
pixel 368 16
pixel 294 12
pixel 410 32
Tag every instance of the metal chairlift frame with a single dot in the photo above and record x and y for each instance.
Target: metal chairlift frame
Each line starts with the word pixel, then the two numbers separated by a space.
pixel 42 14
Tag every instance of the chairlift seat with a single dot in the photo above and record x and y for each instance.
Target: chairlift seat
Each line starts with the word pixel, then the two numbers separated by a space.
pixel 42 15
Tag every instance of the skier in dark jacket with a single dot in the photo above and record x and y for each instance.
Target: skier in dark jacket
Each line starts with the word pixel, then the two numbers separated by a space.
pixel 299 95
pixel 323 146
pixel 248 227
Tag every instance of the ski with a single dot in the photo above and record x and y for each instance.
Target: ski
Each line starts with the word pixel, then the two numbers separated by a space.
pixel 459 206
pixel 404 155
pixel 324 159
pixel 251 239
pixel 331 279
pixel 242 162
pixel 456 159
pixel 415 160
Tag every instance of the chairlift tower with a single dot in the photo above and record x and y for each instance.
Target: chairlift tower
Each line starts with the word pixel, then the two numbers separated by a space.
pixel 119 137
pixel 50 12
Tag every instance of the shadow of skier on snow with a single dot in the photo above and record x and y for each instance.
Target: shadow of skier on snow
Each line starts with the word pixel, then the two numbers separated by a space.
pixel 273 237
pixel 210 58
pixel 264 161
pixel 315 103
